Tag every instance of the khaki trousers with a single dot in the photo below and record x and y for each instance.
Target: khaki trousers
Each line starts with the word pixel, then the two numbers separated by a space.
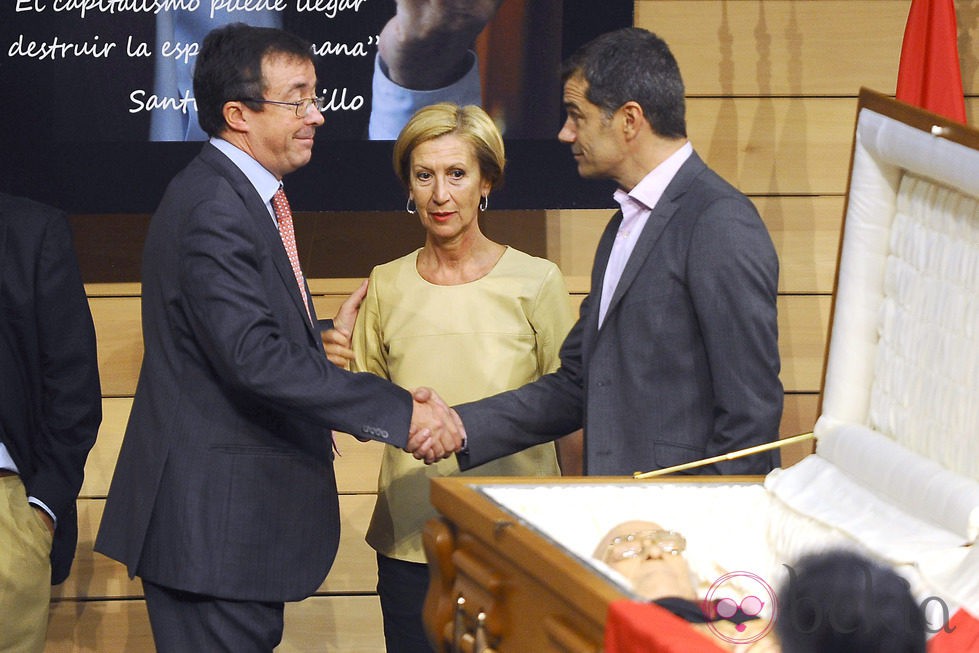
pixel 25 571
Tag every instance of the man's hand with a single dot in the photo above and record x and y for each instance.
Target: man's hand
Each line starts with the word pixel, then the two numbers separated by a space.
pixel 425 44
pixel 436 430
pixel 336 341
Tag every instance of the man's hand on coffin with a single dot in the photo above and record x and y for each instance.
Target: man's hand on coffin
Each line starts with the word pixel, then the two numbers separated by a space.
pixel 436 430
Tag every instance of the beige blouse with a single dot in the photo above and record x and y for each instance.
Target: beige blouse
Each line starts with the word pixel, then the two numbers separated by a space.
pixel 466 341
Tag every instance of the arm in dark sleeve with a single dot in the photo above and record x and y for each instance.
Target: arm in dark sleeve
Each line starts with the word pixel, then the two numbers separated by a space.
pixel 231 313
pixel 71 393
pixel 734 286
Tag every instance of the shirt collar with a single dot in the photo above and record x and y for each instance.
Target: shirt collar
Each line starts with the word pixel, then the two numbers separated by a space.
pixel 650 188
pixel 264 181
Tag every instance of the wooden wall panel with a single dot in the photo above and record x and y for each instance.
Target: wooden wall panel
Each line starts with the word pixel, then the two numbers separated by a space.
pixel 803 326
pixel 801 47
pixel 802 340
pixel 347 624
pixel 799 415
pixel 99 627
pixel 805 230
pixel 102 458
pixel 94 576
pixel 806 233
pixel 753 47
pixel 781 146
pixel 802 319
pixel 120 343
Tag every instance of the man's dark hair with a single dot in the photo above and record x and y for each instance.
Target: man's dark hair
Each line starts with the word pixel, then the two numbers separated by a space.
pixel 229 67
pixel 842 602
pixel 632 64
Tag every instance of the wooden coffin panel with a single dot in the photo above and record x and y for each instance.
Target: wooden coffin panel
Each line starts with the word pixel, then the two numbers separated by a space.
pixel 501 571
pixel 533 594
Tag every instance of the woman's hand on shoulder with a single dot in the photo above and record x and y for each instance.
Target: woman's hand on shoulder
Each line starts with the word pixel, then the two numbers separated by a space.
pixel 337 341
pixel 337 346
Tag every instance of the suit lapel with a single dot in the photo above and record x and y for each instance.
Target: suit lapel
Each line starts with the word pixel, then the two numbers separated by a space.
pixel 266 226
pixel 660 216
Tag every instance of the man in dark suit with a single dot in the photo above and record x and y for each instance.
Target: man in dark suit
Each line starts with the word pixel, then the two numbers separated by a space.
pixel 674 357
pixel 50 410
pixel 224 498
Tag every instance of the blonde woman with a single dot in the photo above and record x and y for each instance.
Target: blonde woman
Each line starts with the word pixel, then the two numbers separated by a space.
pixel 463 314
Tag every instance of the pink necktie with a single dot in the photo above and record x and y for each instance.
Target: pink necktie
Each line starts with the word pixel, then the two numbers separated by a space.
pixel 288 235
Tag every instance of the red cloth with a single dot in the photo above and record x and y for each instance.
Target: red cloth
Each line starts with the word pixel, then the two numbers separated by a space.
pixel 929 75
pixel 961 636
pixel 633 627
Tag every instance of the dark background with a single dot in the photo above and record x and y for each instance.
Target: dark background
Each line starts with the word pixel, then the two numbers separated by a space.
pixel 101 168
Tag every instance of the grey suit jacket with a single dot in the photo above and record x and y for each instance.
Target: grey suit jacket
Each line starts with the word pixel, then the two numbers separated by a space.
pixel 224 484
pixel 686 363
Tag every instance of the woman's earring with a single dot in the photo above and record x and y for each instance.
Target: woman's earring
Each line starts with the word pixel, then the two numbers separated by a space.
pixel 484 202
pixel 410 206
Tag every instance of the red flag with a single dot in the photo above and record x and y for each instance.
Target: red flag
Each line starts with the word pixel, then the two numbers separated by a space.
pixel 929 75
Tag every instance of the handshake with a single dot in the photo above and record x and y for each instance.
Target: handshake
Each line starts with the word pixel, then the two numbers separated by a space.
pixel 436 430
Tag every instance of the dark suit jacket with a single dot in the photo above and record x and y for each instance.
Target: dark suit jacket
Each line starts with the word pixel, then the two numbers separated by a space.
pixel 686 363
pixel 225 483
pixel 50 398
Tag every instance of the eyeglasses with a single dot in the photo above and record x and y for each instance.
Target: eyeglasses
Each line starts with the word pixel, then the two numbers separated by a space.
pixel 637 544
pixel 302 106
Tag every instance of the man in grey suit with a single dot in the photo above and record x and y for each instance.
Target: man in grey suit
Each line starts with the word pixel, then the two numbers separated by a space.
pixel 674 357
pixel 224 498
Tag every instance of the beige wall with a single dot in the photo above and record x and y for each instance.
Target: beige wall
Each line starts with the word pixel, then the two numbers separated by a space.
pixel 772 91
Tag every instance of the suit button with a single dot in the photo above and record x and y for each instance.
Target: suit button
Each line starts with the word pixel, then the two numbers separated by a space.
pixel 374 431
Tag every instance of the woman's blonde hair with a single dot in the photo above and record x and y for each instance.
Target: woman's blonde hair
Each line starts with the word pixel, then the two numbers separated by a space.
pixel 470 123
